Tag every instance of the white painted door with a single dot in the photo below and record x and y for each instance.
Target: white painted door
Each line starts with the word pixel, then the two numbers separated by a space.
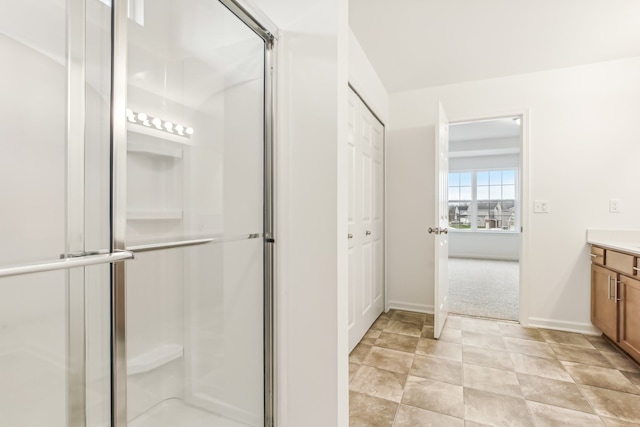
pixel 441 231
pixel 366 219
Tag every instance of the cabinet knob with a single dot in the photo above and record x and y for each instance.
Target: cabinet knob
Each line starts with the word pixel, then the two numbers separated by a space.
pixel 350 236
pixel 368 232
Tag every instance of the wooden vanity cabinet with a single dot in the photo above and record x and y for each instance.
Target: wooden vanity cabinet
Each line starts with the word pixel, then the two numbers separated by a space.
pixel 604 308
pixel 629 334
pixel 615 298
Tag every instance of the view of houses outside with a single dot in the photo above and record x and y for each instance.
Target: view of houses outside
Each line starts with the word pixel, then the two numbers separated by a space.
pixel 483 200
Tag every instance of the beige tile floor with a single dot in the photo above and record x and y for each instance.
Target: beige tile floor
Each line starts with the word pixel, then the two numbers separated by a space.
pixel 487 373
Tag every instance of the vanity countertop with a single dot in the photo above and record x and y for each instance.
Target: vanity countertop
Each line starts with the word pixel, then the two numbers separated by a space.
pixel 620 240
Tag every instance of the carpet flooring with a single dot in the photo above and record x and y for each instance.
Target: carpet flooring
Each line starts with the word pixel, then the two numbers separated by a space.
pixel 484 288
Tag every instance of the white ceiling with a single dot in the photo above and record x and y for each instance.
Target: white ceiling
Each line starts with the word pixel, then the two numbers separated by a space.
pixel 420 43
pixel 484 138
pixel 485 129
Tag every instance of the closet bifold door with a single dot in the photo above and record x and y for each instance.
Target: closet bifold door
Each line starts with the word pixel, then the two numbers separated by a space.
pixel 365 146
pixel 191 199
pixel 55 251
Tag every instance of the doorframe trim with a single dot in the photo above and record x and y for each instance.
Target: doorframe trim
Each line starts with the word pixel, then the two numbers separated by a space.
pixel 525 196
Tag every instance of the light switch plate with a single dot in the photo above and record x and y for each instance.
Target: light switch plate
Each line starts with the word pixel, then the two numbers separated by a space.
pixel 614 205
pixel 541 206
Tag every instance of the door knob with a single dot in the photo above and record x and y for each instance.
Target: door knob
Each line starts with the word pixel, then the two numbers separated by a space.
pixel 368 233
pixel 444 230
pixel 350 236
pixel 434 230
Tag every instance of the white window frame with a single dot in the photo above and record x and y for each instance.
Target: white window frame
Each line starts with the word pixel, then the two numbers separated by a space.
pixel 473 207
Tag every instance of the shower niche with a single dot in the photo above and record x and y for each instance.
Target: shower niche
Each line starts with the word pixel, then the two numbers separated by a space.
pixel 155 168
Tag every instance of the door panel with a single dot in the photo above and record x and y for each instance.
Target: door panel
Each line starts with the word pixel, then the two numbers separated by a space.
pixel 367 275
pixel 378 267
pixel 352 182
pixel 366 231
pixel 195 171
pixel 604 309
pixel 353 273
pixel 377 192
pixel 354 223
pixel 33 94
pixel 366 189
pixel 54 323
pixel 188 93
pixel 33 360
pixel 630 316
pixel 441 270
pixel 38 365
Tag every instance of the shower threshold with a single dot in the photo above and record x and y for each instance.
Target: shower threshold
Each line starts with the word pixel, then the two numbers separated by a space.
pixel 176 413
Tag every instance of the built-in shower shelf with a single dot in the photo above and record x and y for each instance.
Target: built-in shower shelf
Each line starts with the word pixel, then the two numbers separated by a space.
pixel 155 358
pixel 150 131
pixel 156 149
pixel 154 215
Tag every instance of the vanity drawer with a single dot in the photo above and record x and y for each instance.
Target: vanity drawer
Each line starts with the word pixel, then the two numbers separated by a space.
pixel 597 255
pixel 621 262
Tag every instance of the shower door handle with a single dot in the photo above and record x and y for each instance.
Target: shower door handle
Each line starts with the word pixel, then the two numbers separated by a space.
pixel 185 243
pixel 66 263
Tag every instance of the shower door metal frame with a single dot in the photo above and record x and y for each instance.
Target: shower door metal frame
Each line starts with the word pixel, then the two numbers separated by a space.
pixel 118 207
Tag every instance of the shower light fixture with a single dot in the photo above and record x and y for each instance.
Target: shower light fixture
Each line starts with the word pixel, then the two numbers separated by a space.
pixel 143 119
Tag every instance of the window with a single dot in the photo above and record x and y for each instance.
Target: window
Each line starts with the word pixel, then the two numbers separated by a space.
pixel 483 200
pixel 460 199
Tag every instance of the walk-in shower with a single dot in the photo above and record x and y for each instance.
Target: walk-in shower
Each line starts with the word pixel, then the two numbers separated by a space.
pixel 136 234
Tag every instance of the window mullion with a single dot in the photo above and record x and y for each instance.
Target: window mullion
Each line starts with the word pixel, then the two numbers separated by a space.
pixel 474 201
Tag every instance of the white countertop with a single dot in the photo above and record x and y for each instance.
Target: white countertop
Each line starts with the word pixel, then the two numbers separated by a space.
pixel 621 240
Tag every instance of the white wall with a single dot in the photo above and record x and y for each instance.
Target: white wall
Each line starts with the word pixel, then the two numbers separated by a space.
pixel 409 204
pixel 311 217
pixel 484 245
pixel 584 134
pixel 365 80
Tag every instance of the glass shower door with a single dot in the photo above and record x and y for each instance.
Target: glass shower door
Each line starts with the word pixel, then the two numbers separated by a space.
pixel 55 258
pixel 195 156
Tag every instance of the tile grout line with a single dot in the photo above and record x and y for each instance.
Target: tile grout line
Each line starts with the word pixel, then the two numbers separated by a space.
pixel 404 386
pixel 556 357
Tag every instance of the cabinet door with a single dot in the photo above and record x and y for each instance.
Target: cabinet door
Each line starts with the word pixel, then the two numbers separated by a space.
pixel 604 310
pixel 630 316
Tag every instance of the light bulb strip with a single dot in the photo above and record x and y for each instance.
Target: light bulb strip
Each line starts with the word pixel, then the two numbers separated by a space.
pixel 157 123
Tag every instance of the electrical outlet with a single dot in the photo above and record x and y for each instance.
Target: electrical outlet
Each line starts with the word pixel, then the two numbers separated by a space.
pixel 614 206
pixel 541 206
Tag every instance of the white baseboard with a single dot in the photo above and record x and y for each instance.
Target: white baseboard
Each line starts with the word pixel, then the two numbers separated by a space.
pixel 485 257
pixel 579 327
pixel 419 308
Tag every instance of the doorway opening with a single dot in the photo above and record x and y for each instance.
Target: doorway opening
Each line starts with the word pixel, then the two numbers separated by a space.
pixel 484 201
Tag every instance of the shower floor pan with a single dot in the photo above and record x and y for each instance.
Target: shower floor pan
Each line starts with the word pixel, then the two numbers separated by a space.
pixel 176 413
